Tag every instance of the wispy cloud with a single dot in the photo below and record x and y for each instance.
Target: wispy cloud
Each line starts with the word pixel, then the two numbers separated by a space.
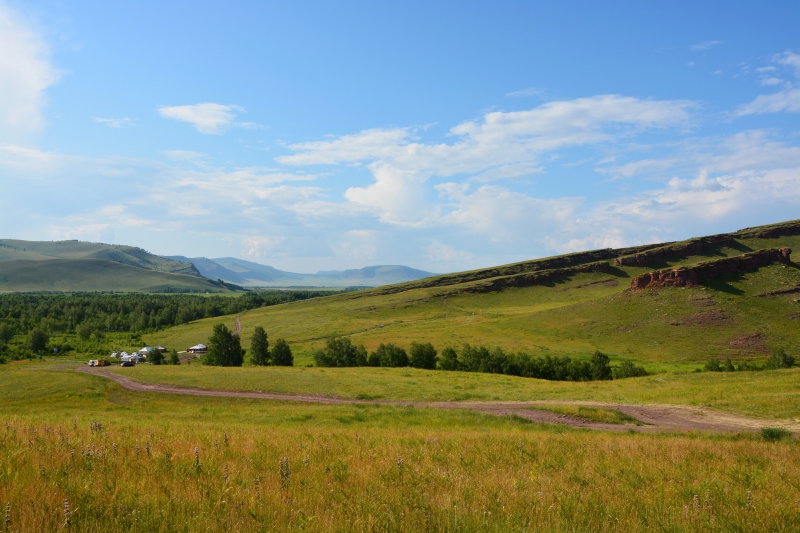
pixel 115 122
pixel 207 117
pixel 705 45
pixel 785 101
pixel 530 91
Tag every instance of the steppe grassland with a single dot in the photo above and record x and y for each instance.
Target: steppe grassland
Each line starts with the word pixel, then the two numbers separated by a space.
pixel 767 394
pixel 126 462
pixel 668 329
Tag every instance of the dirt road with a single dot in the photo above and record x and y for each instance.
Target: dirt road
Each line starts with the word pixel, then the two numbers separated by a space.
pixel 655 417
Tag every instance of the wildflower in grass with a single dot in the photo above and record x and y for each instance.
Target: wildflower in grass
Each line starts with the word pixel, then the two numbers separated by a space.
pixel 225 472
pixel 306 461
pixel 285 472
pixel 66 511
pixel 136 450
pixel 225 438
pixel 696 501
pixel 216 444
pixel 147 447
pixel 749 500
pixel 7 519
pixel 115 448
pixel 708 500
pixel 167 459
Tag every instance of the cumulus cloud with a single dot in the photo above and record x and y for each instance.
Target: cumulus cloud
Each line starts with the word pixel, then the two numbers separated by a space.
pixel 207 117
pixel 25 73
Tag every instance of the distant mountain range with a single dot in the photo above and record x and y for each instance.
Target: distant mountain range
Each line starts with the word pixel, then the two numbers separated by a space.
pixel 252 274
pixel 75 266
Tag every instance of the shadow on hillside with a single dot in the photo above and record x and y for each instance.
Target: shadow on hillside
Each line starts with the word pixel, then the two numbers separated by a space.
pixel 723 283
pixel 618 272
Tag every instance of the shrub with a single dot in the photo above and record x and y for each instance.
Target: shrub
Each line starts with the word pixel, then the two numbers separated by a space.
pixel 174 358
pixel 422 356
pixel 727 366
pixel 282 354
pixel 712 365
pixel 775 434
pixel 779 359
pixel 627 369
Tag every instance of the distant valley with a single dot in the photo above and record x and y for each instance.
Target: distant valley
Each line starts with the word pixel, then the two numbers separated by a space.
pixel 75 266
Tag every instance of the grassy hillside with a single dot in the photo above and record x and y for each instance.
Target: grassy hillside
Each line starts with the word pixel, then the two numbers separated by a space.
pixel 11 250
pixel 74 275
pixel 565 314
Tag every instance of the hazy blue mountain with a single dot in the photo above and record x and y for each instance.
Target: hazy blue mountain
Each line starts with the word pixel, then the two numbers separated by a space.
pixel 248 273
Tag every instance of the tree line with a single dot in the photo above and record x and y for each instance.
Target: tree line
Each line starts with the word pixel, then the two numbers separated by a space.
pixel 225 349
pixel 31 320
pixel 341 352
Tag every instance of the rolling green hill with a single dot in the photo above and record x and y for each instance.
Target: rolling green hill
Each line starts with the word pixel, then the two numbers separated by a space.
pixel 11 249
pixel 92 275
pixel 565 305
pixel 70 266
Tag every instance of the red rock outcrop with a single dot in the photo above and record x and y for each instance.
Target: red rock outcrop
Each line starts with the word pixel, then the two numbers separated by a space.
pixel 692 275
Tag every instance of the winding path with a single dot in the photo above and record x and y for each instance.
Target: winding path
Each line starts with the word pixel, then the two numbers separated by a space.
pixel 655 417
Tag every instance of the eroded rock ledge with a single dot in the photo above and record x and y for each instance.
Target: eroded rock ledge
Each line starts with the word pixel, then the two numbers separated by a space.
pixel 691 276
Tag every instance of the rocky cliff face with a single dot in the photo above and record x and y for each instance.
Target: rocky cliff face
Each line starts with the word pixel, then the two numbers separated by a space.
pixel 693 275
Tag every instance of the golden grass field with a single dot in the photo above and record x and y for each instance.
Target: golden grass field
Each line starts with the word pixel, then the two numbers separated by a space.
pixel 123 461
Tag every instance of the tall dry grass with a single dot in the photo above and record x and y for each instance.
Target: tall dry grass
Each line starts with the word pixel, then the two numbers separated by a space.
pixel 82 475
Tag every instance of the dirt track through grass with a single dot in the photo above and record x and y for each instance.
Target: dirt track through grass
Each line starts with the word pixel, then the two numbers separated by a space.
pixel 655 417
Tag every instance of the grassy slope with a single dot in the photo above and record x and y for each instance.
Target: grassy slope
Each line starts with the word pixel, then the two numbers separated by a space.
pixel 574 316
pixel 70 275
pixel 11 249
pixel 359 468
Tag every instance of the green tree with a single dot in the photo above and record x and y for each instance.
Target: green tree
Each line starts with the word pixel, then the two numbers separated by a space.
pixel 422 356
pixel 174 358
pixel 282 354
pixel 601 370
pixel 259 347
pixel 449 359
pixel 85 331
pixel 391 355
pixel 37 340
pixel 341 352
pixel 6 332
pixel 224 348
pixel 627 369
pixel 155 357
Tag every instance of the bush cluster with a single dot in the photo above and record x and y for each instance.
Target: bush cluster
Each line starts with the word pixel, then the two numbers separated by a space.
pixel 779 359
pixel 341 352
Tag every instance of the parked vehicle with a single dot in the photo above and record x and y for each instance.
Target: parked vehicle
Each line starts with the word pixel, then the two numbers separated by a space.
pixel 102 362
pixel 93 362
pixel 127 363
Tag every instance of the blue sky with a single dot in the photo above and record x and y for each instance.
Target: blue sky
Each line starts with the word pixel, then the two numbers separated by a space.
pixel 441 135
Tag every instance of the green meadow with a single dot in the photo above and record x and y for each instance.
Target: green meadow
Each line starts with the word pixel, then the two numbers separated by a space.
pixel 79 453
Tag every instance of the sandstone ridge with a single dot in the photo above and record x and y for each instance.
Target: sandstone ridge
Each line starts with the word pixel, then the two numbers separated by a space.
pixel 692 276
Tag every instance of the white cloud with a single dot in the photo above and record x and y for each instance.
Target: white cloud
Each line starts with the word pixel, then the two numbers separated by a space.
pixel 207 117
pixel 439 252
pixel 789 59
pixel 770 81
pixel 115 122
pixel 25 74
pixel 530 91
pixel 705 45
